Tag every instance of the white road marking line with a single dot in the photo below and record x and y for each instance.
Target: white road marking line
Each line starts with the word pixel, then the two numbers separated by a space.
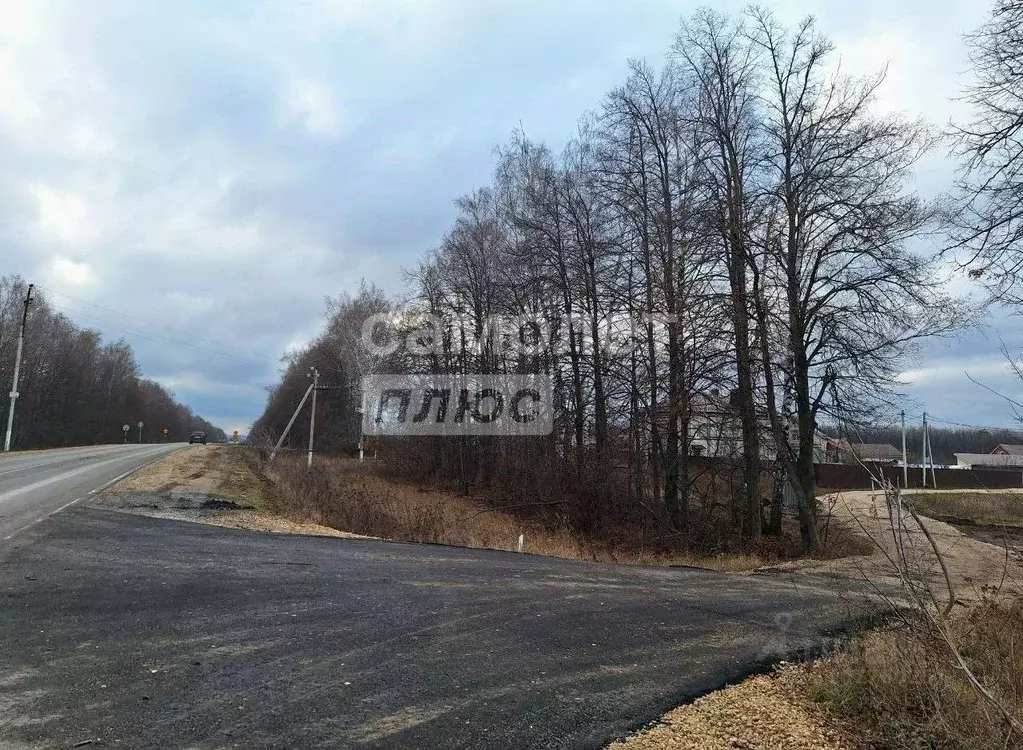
pixel 79 471
pixel 42 518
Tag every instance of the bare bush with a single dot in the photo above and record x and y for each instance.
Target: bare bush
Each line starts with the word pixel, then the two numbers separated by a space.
pixel 903 691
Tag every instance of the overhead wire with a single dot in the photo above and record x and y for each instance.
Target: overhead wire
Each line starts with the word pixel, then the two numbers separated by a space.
pixel 218 344
pixel 151 336
pixel 936 418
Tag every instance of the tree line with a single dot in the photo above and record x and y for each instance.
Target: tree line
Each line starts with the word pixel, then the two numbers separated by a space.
pixel 945 441
pixel 342 360
pixel 739 220
pixel 74 388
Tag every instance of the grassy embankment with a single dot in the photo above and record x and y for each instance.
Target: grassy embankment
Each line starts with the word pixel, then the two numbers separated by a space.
pixel 345 495
pixel 901 687
pixel 985 508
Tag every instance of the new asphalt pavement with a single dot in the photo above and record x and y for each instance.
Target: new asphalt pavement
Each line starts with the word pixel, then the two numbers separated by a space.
pixel 125 631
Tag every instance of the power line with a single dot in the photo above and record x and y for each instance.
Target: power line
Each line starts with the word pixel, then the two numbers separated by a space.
pixel 971 426
pixel 158 337
pixel 218 344
pixel 931 417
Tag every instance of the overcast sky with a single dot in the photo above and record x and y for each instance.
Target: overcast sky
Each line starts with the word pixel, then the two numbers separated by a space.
pixel 197 176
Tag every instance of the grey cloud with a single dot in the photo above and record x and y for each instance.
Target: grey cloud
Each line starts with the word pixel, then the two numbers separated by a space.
pixel 248 160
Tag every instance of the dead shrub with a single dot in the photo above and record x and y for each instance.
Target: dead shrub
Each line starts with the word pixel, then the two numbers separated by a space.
pixel 900 687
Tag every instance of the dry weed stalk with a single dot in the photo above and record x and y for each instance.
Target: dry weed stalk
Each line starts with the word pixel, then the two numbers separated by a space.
pixel 914 581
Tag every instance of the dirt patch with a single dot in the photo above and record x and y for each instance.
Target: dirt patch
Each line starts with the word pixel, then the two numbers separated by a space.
pixel 216 470
pixel 762 713
pixel 973 564
pixel 218 485
pixel 1010 537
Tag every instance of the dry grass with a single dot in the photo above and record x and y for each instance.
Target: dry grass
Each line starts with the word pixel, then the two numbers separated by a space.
pixel 900 688
pixel 345 496
pixel 988 508
pixel 218 472
pixel 891 688
pixel 222 471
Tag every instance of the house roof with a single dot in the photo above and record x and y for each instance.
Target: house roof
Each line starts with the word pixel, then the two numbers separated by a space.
pixel 876 450
pixel 990 459
pixel 1012 450
pixel 884 451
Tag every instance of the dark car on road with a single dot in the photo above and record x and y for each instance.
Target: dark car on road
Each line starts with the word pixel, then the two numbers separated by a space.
pixel 197 437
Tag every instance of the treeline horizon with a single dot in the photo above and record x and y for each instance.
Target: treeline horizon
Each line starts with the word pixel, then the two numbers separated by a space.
pixel 77 390
pixel 945 441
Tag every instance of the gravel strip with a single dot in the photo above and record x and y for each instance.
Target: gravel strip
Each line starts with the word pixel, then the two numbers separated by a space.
pixel 199 508
pixel 765 712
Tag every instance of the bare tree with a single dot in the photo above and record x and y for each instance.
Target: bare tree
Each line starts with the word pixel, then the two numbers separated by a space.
pixel 987 215
pixel 724 66
pixel 735 220
pixel 840 296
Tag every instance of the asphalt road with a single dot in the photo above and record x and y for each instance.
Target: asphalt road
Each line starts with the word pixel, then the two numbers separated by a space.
pixel 145 633
pixel 38 483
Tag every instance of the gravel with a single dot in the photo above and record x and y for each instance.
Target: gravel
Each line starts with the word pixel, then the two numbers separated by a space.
pixel 765 712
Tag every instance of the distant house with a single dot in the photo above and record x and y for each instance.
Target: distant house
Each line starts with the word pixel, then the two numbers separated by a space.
pixel 714 430
pixel 1007 461
pixel 1008 450
pixel 841 451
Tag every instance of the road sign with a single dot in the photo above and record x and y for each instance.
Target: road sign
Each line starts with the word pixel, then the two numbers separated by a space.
pixel 126 427
pixel 165 430
pixel 141 425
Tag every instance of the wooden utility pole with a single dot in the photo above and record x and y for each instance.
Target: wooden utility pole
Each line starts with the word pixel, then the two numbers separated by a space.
pixel 905 465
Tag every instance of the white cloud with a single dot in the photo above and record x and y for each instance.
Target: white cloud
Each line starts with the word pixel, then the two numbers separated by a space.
pixel 63 216
pixel 953 374
pixel 313 105
pixel 68 273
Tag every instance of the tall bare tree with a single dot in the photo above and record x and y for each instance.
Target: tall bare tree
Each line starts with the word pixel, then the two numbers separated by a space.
pixel 724 66
pixel 987 215
pixel 840 295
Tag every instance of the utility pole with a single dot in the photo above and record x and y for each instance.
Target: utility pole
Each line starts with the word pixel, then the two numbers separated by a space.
pixel 17 370
pixel 312 416
pixel 313 387
pixel 905 465
pixel 362 416
pixel 923 456
pixel 930 459
pixel 284 435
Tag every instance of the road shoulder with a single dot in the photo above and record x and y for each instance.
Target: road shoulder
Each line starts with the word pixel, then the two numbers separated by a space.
pixel 215 485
